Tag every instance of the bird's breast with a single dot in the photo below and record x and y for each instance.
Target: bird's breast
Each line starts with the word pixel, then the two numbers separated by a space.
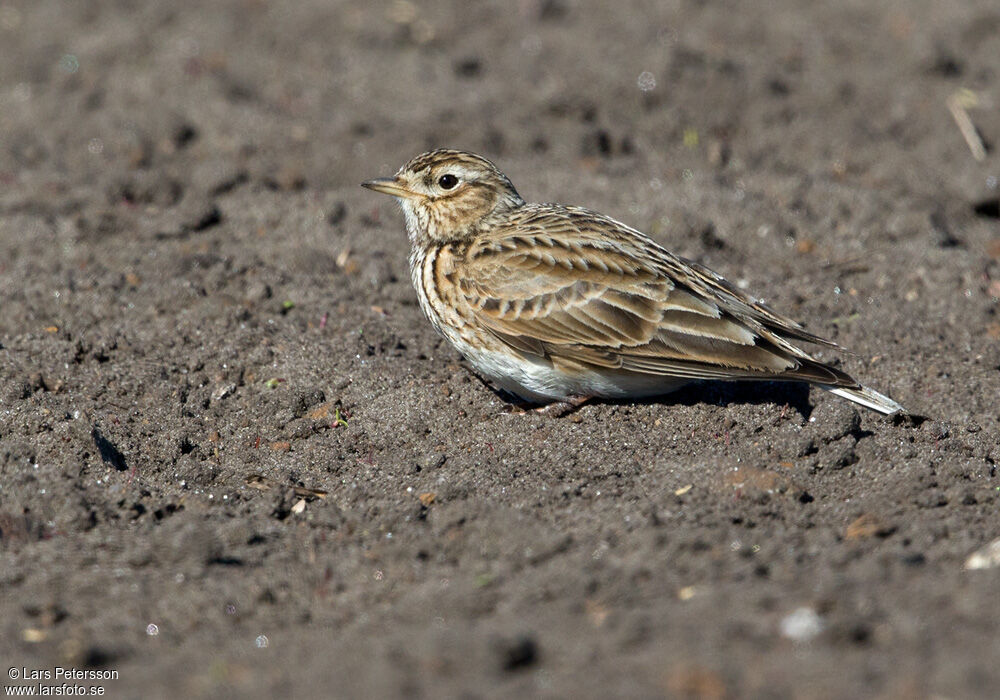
pixel 434 276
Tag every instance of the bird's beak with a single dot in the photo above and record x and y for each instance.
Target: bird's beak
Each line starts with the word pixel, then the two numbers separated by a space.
pixel 388 185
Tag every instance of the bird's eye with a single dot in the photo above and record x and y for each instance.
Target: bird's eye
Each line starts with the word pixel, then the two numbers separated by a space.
pixel 447 181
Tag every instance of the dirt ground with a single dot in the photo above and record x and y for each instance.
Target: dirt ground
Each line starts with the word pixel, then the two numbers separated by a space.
pixel 236 461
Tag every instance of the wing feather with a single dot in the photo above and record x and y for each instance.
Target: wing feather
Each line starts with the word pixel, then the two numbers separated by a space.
pixel 579 288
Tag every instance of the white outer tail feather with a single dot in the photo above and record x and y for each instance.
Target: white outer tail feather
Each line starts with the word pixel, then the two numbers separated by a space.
pixel 869 398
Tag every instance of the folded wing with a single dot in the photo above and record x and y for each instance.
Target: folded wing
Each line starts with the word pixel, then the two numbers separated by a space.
pixel 582 289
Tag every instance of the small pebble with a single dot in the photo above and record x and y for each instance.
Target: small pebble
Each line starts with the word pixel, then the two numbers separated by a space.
pixel 987 557
pixel 801 625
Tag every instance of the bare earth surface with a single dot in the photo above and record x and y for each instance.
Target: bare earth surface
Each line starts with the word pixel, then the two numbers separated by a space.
pixel 235 460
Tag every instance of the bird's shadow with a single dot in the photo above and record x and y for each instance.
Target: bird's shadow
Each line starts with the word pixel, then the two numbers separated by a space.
pixel 706 391
pixel 795 395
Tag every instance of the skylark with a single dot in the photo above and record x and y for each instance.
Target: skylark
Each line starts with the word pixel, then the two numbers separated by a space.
pixel 557 303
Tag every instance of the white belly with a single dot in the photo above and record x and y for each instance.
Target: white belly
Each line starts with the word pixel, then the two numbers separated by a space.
pixel 538 381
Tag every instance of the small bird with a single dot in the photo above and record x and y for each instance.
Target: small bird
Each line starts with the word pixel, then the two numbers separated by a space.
pixel 559 304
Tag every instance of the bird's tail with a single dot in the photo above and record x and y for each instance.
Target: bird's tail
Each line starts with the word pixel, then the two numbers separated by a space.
pixel 869 398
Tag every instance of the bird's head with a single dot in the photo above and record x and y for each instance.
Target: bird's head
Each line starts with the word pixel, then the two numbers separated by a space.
pixel 448 195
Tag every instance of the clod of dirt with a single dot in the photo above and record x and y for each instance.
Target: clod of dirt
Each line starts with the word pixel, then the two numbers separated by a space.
pixel 470 67
pixel 989 208
pixel 193 215
pixel 288 178
pixel 942 231
pixel 868 525
pixel 184 135
pixel 337 214
pixel 947 65
pixel 206 216
pixel 110 454
pixel 938 430
pixel 836 455
pixel 518 653
pixel 432 460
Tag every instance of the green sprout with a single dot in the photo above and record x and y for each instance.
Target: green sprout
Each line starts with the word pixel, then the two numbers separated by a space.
pixel 339 419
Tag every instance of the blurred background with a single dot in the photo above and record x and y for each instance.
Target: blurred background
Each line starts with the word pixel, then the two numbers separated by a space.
pixel 228 433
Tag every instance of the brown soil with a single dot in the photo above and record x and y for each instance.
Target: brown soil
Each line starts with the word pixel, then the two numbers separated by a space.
pixel 224 415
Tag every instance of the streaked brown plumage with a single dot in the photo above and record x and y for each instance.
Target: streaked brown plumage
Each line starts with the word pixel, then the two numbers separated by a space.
pixel 559 303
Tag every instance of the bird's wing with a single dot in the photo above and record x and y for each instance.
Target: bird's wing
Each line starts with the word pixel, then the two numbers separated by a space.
pixel 580 288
